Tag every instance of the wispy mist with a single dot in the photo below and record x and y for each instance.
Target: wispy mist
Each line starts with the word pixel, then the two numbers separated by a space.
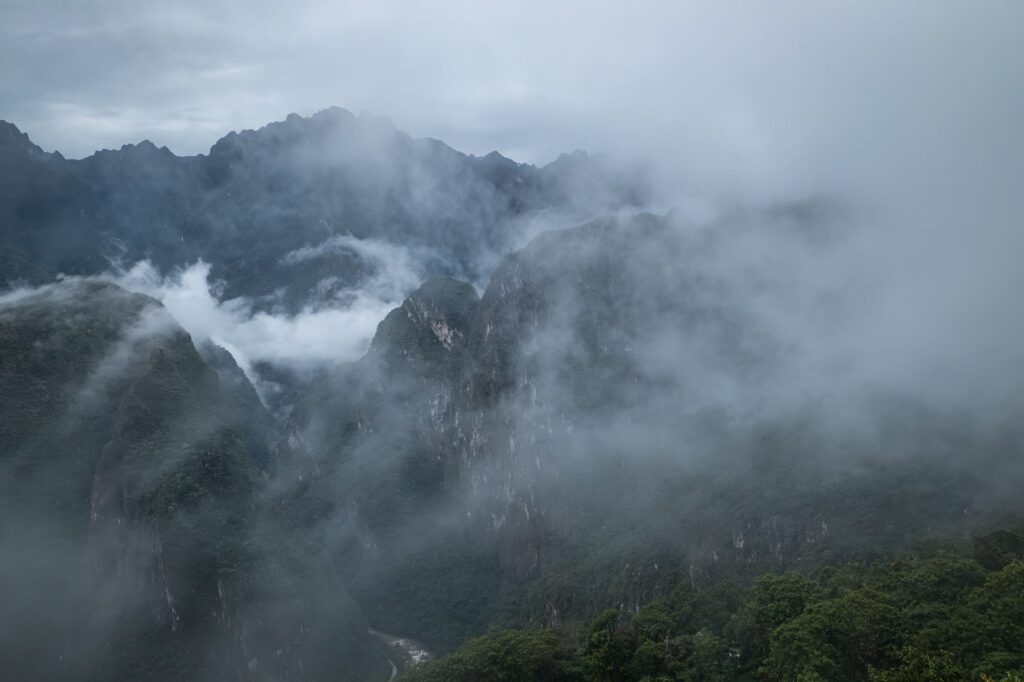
pixel 338 329
pixel 782 314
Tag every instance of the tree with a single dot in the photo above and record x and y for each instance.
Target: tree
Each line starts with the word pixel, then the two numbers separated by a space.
pixel 777 599
pixel 609 647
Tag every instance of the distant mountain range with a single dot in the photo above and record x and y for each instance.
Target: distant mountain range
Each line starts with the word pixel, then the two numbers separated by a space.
pixel 614 414
pixel 259 195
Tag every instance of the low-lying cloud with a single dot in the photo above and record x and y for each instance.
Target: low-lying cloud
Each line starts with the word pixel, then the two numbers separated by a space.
pixel 336 330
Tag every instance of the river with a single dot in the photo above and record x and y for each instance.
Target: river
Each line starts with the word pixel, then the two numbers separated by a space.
pixel 412 652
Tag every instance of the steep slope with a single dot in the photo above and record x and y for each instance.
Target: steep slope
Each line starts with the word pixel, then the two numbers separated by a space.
pixel 622 418
pixel 605 423
pixel 131 509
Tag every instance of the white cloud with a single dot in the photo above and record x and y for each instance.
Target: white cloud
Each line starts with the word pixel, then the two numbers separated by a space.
pixel 338 331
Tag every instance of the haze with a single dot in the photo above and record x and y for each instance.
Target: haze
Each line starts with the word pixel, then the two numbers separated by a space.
pixel 768 97
pixel 403 389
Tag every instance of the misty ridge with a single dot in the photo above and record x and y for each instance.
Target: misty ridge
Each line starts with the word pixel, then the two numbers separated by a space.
pixel 329 380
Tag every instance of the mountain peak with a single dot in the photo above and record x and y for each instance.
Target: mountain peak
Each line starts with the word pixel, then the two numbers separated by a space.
pixel 145 148
pixel 332 113
pixel 439 290
pixel 13 140
pixel 316 130
pixel 577 156
pixel 431 322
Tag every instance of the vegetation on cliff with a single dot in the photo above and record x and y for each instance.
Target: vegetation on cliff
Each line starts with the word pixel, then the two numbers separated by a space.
pixel 950 611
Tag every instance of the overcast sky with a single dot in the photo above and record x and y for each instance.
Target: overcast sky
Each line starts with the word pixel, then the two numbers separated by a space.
pixel 771 97
pixel 912 111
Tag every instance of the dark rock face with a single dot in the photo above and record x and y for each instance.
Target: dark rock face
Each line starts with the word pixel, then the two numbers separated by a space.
pixel 367 437
pixel 554 447
pixel 428 332
pixel 131 512
pixel 259 195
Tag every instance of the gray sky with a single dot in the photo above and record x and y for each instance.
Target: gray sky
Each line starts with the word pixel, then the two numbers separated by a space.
pixel 767 98
pixel 913 111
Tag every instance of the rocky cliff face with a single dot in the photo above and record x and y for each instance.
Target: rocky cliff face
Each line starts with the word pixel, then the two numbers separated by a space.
pixel 368 438
pixel 561 443
pixel 134 538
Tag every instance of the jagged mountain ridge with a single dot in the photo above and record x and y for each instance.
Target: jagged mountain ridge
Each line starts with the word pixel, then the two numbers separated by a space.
pixel 261 194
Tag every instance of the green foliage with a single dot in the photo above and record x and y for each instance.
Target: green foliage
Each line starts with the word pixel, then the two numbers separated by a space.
pixel 777 599
pixel 504 656
pixel 609 648
pixel 940 616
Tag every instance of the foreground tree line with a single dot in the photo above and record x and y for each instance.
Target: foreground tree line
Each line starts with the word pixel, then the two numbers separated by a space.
pixel 951 611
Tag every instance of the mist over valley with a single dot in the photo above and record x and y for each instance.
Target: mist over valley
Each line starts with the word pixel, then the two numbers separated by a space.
pixel 736 395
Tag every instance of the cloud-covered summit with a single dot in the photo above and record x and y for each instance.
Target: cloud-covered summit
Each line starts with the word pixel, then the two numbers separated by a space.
pixel 286 244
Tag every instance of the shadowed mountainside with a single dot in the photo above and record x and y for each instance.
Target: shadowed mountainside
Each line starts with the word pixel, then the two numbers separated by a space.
pixel 574 439
pixel 134 539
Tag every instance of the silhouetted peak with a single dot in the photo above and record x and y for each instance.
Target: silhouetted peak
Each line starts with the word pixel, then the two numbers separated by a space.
pixel 497 160
pixel 334 114
pixel 324 128
pixel 13 140
pixel 575 158
pixel 146 148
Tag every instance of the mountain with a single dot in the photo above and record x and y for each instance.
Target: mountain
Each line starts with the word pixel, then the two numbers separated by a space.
pixel 134 541
pixel 573 438
pixel 299 184
pixel 635 407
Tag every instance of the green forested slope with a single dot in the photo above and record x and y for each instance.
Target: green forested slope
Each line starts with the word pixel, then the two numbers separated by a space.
pixel 953 611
